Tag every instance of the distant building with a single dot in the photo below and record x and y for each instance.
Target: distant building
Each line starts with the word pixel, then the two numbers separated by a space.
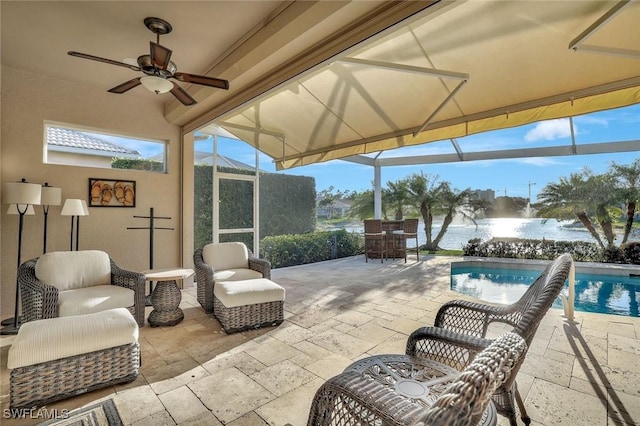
pixel 72 147
pixel 484 194
pixel 202 158
pixel 339 208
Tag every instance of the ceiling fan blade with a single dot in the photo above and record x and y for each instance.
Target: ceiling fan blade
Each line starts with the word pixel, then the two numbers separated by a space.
pixel 201 79
pixel 105 60
pixel 160 55
pixel 182 95
pixel 128 85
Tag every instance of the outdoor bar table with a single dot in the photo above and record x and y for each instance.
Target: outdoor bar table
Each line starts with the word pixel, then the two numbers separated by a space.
pixel 395 241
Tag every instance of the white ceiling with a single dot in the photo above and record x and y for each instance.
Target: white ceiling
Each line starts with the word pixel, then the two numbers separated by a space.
pixel 248 42
pixel 36 36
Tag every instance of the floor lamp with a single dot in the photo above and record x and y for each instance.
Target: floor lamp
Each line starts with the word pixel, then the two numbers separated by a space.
pixel 51 196
pixel 22 195
pixel 75 208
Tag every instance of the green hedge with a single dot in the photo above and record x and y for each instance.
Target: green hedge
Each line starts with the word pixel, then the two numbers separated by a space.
pixel 291 250
pixel 581 251
pixel 137 164
pixel 287 204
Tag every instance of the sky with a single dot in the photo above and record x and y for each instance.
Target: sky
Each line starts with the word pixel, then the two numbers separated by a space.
pixel 512 177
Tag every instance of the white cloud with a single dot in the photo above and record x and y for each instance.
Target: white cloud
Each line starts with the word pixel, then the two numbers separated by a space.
pixel 550 130
pixel 540 161
pixel 596 121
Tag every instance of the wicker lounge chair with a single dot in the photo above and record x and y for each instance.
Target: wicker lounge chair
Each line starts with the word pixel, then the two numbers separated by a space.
pixel 353 398
pixel 461 327
pixel 231 261
pixel 77 283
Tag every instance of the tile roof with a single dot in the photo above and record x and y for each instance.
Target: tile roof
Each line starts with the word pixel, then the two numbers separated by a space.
pixel 59 136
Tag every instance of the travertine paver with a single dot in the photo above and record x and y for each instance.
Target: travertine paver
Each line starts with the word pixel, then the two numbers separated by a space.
pixel 552 404
pixel 582 374
pixel 282 377
pixel 329 366
pixel 230 394
pixel 341 343
pixel 291 408
pixel 177 399
pixel 162 386
pixel 136 404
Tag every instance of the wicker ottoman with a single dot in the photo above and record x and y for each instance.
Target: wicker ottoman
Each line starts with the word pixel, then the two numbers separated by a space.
pixel 242 305
pixel 57 358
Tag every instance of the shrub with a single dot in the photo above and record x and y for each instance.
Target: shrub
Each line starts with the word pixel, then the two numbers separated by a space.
pixel 291 250
pixel 544 249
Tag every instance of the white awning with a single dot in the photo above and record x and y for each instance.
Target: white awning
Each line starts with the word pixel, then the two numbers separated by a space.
pixel 455 69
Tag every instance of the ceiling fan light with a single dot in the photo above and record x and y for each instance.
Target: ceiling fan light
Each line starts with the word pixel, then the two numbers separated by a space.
pixel 156 84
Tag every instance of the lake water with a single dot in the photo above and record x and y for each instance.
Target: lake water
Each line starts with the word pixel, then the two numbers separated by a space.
pixel 460 232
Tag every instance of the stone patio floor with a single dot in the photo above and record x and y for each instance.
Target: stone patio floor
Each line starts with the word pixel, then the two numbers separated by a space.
pixel 339 311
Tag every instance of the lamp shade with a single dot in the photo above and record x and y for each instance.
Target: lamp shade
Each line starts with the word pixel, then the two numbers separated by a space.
pixel 74 207
pixel 156 84
pixel 13 209
pixel 50 196
pixel 21 193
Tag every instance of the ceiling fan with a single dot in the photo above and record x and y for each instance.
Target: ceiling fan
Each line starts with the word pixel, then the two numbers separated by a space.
pixel 158 68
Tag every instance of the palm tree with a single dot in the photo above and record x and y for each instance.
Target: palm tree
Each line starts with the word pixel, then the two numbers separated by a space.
pixel 569 199
pixel 602 196
pixel 363 205
pixel 396 194
pixel 628 178
pixel 450 202
pixel 433 197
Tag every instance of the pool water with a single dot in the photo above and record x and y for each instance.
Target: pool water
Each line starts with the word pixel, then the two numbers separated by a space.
pixel 604 294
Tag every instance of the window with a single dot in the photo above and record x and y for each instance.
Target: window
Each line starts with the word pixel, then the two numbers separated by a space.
pixel 76 146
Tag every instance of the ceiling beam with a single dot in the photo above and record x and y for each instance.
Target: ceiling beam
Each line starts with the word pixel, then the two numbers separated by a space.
pixel 299 19
pixel 407 68
pixel 552 151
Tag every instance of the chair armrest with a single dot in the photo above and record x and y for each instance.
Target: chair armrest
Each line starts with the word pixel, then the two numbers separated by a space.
pixel 260 265
pixel 454 349
pixel 39 299
pixel 473 318
pixel 133 281
pixel 465 400
pixel 204 281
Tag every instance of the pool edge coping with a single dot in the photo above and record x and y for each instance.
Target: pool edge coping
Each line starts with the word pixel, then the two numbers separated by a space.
pixel 535 264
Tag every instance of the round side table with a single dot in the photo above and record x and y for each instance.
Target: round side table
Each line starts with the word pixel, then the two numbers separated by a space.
pixel 421 380
pixel 166 296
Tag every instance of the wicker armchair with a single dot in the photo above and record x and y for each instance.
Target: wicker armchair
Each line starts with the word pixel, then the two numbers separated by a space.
pixel 79 282
pixel 461 327
pixel 225 262
pixel 353 398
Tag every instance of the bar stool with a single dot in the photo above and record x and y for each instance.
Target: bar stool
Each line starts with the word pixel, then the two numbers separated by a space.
pixel 375 239
pixel 409 230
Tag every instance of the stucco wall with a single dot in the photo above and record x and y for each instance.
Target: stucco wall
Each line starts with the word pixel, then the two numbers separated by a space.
pixel 29 99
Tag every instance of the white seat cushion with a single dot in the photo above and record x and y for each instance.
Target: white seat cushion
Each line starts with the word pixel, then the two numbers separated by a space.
pixel 94 299
pixel 248 292
pixel 236 275
pixel 57 338
pixel 223 256
pixel 66 270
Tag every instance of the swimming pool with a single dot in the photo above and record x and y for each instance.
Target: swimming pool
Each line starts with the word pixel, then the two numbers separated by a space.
pixel 594 291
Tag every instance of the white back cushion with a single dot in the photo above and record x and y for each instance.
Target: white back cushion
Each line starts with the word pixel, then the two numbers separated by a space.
pixel 67 270
pixel 226 255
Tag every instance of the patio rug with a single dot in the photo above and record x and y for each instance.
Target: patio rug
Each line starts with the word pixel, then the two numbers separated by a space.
pixel 102 414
